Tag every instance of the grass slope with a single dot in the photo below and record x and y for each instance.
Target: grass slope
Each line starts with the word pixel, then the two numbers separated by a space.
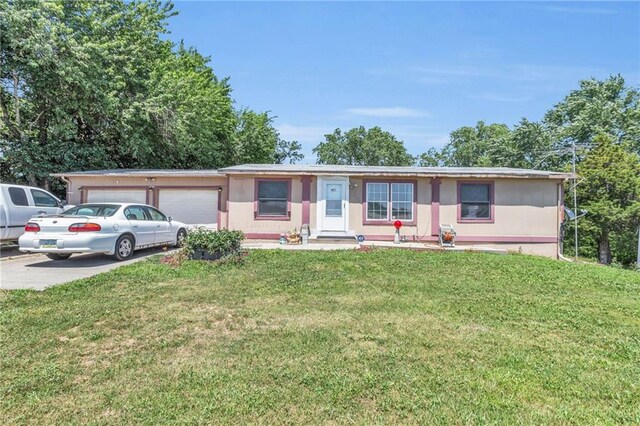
pixel 387 336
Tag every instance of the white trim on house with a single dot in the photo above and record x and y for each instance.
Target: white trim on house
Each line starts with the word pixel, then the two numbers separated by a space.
pixel 389 201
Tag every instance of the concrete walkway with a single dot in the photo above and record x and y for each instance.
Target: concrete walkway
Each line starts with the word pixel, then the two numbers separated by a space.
pixel 270 245
pixel 37 272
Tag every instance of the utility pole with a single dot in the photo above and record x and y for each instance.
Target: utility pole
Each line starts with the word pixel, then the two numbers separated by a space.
pixel 575 198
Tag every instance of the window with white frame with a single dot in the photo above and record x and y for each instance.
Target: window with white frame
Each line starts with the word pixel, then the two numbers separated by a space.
pixel 389 201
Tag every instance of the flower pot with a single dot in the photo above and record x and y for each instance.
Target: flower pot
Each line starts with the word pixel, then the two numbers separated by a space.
pixel 201 254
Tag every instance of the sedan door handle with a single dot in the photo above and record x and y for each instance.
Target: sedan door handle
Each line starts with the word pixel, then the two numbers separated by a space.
pixel 135 226
pixel 42 212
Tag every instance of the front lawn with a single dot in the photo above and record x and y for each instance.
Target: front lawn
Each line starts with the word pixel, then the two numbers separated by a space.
pixel 388 336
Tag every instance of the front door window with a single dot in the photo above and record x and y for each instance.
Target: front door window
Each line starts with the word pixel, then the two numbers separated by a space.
pixel 333 205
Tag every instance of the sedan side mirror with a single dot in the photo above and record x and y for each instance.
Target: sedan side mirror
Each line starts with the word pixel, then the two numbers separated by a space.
pixel 170 218
pixel 62 203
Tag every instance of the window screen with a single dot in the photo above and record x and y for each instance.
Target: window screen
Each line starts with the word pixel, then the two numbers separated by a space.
pixel 475 201
pixel 273 198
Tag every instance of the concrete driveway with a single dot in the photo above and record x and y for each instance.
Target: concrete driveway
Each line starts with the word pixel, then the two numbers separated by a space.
pixel 37 272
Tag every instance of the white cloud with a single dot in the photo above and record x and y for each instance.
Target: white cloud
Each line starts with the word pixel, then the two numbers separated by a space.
pixel 388 112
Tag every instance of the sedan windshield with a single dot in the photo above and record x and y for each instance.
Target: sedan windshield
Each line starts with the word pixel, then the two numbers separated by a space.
pixel 103 210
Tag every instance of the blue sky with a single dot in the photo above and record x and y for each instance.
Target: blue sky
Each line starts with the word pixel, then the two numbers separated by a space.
pixel 418 70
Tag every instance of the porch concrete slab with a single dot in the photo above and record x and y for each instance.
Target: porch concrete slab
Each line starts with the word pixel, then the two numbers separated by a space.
pixel 312 246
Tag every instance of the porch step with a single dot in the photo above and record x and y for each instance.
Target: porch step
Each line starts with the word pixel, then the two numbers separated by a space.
pixel 333 236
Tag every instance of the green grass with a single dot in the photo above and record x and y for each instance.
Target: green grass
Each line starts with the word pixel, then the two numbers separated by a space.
pixel 388 336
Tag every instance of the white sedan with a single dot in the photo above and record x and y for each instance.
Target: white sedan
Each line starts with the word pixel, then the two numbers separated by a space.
pixel 115 229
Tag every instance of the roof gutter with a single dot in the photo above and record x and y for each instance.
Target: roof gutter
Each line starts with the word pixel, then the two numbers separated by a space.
pixel 560 176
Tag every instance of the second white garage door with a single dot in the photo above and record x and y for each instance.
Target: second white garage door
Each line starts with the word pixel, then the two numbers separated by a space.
pixel 117 195
pixel 191 206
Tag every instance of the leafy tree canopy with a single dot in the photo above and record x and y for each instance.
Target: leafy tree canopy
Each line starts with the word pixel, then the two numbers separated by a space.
pixel 359 146
pixel 608 106
pixel 87 84
pixel 610 191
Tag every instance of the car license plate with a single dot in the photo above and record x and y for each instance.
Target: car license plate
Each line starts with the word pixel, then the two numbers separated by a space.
pixel 48 243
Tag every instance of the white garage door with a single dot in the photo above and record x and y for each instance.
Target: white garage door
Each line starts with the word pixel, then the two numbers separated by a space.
pixel 191 206
pixel 117 195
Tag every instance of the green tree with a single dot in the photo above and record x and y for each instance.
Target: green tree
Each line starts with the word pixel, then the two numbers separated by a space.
pixel 288 150
pixel 480 146
pixel 191 120
pixel 255 138
pixel 73 76
pixel 530 147
pixel 608 106
pixel 609 190
pixel 359 146
pixel 432 158
pixel 92 84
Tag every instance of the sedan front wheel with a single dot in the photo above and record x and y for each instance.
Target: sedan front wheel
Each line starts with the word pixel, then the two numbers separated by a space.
pixel 182 234
pixel 124 248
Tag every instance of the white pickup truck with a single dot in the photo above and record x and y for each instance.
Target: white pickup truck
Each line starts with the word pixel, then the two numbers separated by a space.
pixel 19 203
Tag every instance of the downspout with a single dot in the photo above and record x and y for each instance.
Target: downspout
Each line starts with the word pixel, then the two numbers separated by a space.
pixel 228 194
pixel 560 220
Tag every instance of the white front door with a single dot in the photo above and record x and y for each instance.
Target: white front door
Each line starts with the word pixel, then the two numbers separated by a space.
pixel 334 206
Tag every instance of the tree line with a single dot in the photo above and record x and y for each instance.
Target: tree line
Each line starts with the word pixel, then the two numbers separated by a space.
pixel 600 118
pixel 96 85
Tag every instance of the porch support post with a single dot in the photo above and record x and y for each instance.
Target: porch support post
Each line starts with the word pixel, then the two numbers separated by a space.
pixel 306 200
pixel 435 206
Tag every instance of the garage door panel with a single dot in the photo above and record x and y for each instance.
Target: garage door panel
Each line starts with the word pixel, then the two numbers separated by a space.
pixel 191 206
pixel 117 196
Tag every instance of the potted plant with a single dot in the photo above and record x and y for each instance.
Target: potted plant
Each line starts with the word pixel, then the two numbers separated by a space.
pixel 293 237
